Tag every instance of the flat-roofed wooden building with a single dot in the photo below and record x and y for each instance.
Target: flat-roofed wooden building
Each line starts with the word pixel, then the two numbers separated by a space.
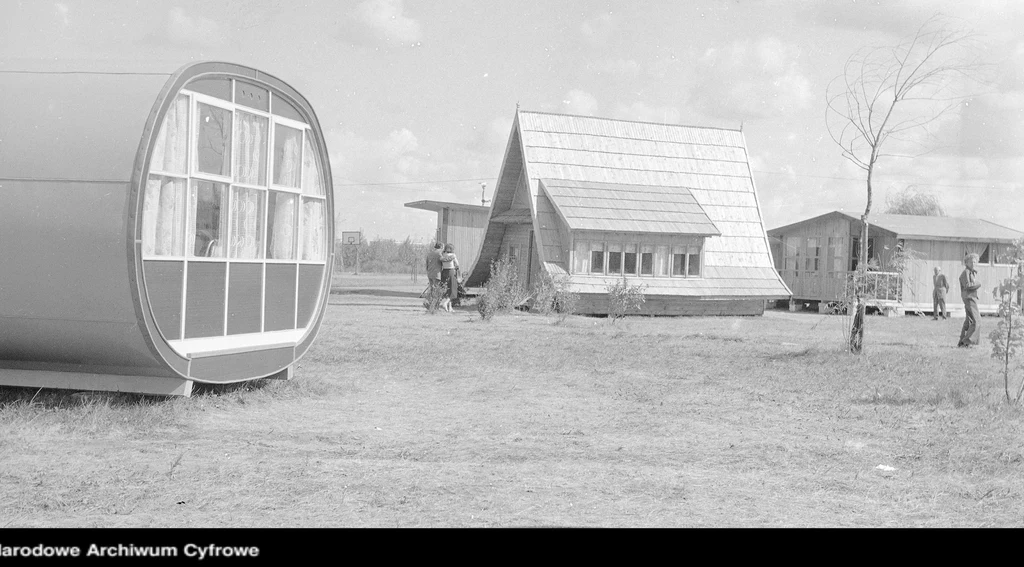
pixel 818 255
pixel 460 224
pixel 672 207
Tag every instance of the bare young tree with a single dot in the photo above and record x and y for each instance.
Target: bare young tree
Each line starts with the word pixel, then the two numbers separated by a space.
pixel 913 201
pixel 885 98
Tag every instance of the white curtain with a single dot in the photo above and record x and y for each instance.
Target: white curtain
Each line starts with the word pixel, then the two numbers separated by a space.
pixel 282 229
pixel 311 182
pixel 247 209
pixel 171 147
pixel 287 166
pixel 163 217
pixel 312 229
pixel 250 158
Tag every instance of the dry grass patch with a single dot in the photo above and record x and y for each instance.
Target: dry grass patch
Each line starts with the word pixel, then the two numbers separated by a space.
pixel 399 418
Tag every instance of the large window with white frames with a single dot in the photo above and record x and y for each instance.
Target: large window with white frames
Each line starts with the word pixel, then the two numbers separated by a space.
pixel 641 257
pixel 235 180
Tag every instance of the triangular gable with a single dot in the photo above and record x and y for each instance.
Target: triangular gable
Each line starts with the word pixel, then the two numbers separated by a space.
pixel 709 164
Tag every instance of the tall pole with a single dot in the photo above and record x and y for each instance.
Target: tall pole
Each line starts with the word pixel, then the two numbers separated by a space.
pixel 359 244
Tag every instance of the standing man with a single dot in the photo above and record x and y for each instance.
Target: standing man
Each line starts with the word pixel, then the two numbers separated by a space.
pixel 434 265
pixel 939 288
pixel 970 334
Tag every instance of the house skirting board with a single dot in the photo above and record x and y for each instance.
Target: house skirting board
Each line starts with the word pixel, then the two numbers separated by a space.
pixel 100 382
pixel 597 304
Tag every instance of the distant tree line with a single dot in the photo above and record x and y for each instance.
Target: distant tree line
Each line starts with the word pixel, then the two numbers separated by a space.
pixel 382 256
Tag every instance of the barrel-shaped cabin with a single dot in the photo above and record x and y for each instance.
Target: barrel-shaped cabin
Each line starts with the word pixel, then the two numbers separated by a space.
pixel 159 228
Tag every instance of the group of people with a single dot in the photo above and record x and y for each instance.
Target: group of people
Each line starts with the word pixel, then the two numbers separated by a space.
pixel 970 334
pixel 443 269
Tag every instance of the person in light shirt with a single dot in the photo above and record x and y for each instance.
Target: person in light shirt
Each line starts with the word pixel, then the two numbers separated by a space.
pixel 970 334
pixel 939 288
pixel 449 276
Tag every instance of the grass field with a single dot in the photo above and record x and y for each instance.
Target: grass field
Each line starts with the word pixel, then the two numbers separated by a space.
pixel 400 418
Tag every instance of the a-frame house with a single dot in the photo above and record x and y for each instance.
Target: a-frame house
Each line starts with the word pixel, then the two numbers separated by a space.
pixel 672 207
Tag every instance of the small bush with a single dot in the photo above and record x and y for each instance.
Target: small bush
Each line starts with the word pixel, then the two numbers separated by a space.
pixel 432 299
pixel 623 298
pixel 553 295
pixel 503 290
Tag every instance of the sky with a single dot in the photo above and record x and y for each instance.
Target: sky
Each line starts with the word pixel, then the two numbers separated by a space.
pixel 416 97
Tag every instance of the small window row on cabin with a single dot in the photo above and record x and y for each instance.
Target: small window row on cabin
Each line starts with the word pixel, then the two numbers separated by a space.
pixel 815 254
pixel 807 254
pixel 234 177
pixel 637 258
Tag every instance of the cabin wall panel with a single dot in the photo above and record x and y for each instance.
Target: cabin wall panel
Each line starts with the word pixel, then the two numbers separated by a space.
pixel 245 298
pixel 279 310
pixel 310 280
pixel 204 299
pixel 164 280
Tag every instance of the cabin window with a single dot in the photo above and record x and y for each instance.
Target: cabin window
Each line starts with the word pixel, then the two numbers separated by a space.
pixel 287 156
pixel 597 258
pixel 835 253
pixel 686 261
pixel 636 259
pixel 614 258
pixel 791 255
pixel 581 257
pixel 662 261
pixel 208 212
pixel 982 250
pixel 213 140
pixel 813 255
pixel 281 224
pixel 247 208
pixel 163 217
pixel 230 181
pixel 646 260
pixel 855 251
pixel 251 133
pixel 693 262
pixel 1003 254
pixel 629 260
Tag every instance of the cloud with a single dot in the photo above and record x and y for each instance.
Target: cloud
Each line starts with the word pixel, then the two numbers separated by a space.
pixel 493 138
pixel 63 14
pixel 579 102
pixel 750 79
pixel 192 31
pixel 628 69
pixel 641 112
pixel 597 29
pixel 385 21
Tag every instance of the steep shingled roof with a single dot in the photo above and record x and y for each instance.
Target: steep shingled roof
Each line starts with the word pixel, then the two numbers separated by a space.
pixel 588 205
pixel 578 158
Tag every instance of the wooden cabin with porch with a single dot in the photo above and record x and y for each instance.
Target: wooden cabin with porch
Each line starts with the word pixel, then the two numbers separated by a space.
pixel 597 200
pixel 460 224
pixel 818 255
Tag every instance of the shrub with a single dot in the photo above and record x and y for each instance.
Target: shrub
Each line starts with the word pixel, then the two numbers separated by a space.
pixel 503 290
pixel 1007 338
pixel 553 295
pixel 432 299
pixel 623 297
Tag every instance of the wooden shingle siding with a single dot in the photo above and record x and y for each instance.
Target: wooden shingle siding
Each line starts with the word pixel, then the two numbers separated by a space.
pixel 637 162
pixel 604 180
pixel 556 248
pixel 558 140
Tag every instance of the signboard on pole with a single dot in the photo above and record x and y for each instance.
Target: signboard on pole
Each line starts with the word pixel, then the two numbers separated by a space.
pixel 352 238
